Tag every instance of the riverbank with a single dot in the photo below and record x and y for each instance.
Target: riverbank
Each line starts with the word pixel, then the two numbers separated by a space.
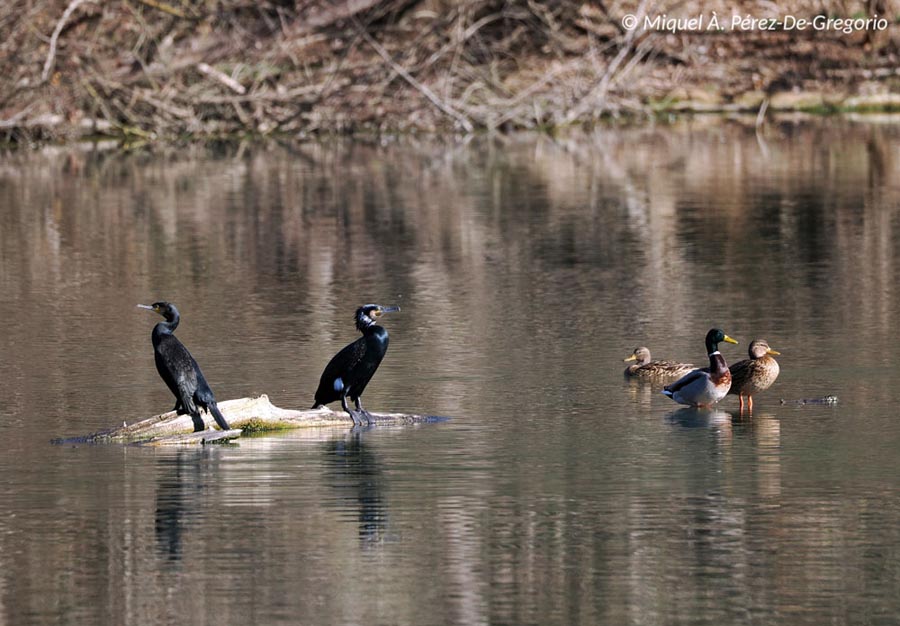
pixel 151 70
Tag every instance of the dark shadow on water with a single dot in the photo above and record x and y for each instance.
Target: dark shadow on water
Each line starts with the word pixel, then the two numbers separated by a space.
pixel 692 417
pixel 178 480
pixel 353 470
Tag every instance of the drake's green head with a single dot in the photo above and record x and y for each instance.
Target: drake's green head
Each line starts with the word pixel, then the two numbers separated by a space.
pixel 714 337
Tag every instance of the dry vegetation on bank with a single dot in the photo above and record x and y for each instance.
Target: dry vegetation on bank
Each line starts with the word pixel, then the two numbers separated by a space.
pixel 146 69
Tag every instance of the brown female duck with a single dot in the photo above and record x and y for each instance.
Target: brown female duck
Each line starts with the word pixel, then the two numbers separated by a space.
pixel 754 374
pixel 645 369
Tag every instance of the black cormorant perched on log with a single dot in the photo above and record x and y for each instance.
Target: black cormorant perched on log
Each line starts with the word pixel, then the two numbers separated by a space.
pixel 180 371
pixel 351 369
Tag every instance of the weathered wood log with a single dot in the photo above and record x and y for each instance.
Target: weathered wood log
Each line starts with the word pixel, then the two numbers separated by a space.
pixel 244 415
pixel 205 437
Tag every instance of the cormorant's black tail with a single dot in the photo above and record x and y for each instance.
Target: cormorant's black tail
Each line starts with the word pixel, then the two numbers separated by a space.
pixel 217 415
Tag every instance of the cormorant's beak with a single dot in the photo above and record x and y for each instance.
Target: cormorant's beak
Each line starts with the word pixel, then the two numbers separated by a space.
pixel 730 340
pixel 390 309
pixel 145 306
pixel 633 357
pixel 772 352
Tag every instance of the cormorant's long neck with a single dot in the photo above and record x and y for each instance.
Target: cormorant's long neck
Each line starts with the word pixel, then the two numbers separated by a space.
pixel 370 330
pixel 165 328
pixel 377 339
pixel 374 330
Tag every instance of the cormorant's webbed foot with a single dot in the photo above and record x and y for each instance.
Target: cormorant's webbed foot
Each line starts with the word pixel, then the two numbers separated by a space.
pixel 356 416
pixel 179 409
pixel 370 419
pixel 199 424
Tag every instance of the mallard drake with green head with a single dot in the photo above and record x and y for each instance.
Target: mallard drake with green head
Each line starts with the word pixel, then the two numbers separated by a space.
pixel 704 387
pixel 645 369
pixel 754 374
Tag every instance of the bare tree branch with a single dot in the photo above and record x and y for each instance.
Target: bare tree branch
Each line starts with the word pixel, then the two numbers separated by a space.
pixel 54 38
pixel 223 78
pixel 165 8
pixel 443 106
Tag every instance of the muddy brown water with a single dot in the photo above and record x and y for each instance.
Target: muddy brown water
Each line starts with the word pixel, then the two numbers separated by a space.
pixel 527 268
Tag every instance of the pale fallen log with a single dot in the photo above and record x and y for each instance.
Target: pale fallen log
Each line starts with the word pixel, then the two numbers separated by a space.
pixel 190 439
pixel 247 415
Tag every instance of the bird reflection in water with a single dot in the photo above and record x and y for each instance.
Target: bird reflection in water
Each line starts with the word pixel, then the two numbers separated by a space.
pixel 694 417
pixel 354 472
pixel 177 488
pixel 641 392
pixel 763 430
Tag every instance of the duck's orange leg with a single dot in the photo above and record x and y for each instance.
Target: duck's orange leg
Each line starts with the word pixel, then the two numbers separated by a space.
pixel 750 400
pixel 741 398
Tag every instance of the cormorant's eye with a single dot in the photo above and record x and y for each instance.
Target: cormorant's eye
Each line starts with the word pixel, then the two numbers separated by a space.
pixel 376 312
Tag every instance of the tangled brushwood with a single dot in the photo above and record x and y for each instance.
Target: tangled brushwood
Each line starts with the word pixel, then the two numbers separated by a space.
pixel 153 69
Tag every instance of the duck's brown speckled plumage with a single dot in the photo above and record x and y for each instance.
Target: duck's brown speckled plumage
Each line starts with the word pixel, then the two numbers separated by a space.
pixel 646 369
pixel 756 374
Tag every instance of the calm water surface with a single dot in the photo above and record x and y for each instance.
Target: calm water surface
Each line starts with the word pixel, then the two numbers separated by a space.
pixel 527 268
